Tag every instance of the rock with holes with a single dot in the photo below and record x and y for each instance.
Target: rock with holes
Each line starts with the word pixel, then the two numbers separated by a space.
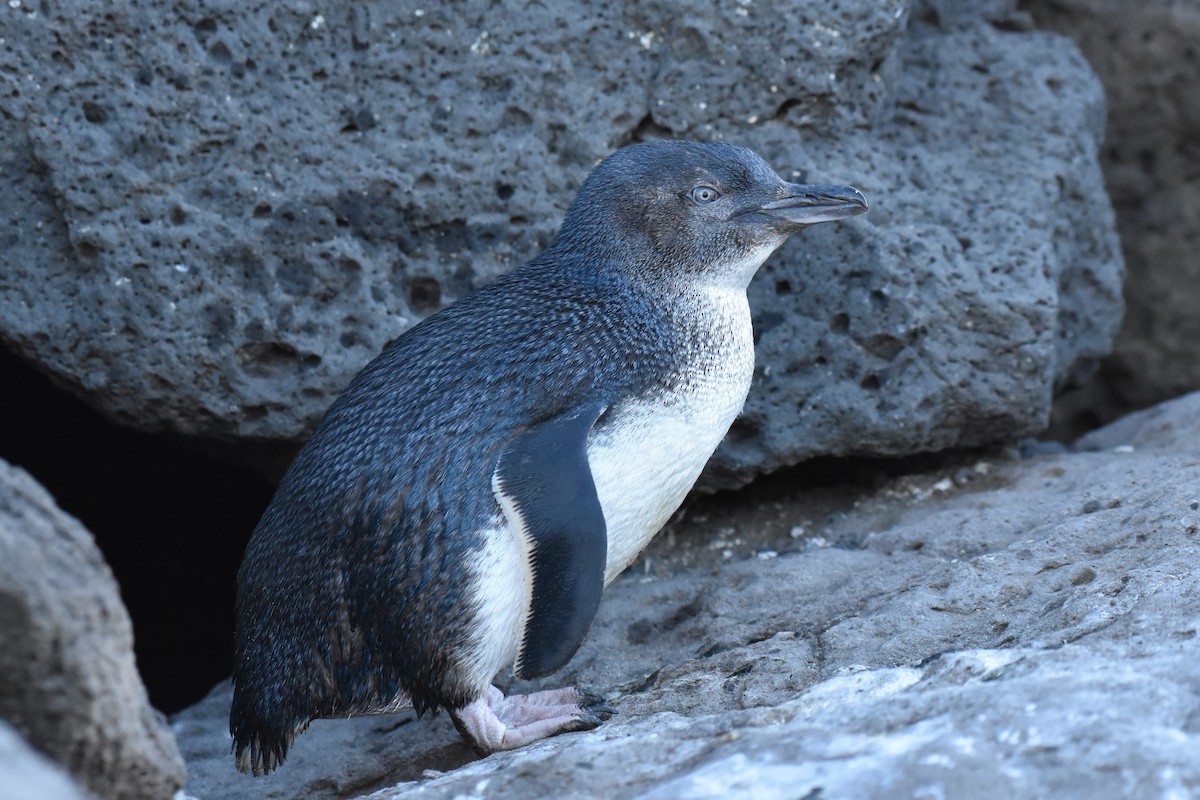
pixel 1007 628
pixel 216 216
pixel 1146 54
pixel 68 681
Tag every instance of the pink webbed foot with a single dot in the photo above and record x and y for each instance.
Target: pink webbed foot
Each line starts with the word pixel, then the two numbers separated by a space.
pixel 495 722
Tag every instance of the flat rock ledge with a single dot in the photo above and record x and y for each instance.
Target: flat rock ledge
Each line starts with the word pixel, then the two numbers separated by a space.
pixel 1015 627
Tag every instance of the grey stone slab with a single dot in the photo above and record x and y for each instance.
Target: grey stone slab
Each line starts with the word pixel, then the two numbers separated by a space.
pixel 219 213
pixel 68 681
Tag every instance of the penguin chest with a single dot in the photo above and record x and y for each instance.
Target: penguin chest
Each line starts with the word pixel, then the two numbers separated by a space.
pixel 647 455
pixel 644 455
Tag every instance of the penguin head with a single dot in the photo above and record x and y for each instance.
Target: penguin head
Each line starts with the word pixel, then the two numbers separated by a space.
pixel 688 212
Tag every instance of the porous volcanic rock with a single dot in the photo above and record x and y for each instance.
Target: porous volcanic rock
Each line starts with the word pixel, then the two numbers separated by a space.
pixel 68 681
pixel 218 214
pixel 1146 55
pixel 26 774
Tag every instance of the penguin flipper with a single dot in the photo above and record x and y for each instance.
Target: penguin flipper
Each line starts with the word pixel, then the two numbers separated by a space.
pixel 544 485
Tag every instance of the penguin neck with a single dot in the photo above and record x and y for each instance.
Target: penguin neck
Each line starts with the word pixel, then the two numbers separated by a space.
pixel 656 274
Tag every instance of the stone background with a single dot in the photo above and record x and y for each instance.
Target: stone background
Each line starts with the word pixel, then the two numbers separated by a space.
pixel 1147 56
pixel 216 213
pixel 221 215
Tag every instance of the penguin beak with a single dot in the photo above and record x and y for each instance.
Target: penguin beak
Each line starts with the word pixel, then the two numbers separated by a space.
pixel 807 205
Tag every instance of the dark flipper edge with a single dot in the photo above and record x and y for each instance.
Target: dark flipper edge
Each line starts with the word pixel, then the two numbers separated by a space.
pixel 545 487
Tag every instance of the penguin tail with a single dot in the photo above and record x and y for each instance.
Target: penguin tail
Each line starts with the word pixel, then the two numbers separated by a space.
pixel 260 740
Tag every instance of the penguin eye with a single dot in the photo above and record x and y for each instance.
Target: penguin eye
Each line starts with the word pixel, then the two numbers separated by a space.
pixel 704 194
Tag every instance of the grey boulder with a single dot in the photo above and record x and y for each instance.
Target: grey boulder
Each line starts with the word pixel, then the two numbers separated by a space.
pixel 68 681
pixel 217 217
pixel 1145 53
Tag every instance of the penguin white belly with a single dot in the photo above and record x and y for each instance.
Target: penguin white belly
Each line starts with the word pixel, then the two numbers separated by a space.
pixel 644 460
pixel 648 461
pixel 501 579
pixel 648 457
pixel 644 463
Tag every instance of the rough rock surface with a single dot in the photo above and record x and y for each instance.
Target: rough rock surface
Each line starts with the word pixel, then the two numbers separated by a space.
pixel 68 682
pixel 26 774
pixel 218 213
pixel 1146 55
pixel 1008 628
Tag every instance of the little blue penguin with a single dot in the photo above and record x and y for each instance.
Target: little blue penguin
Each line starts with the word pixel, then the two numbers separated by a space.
pixel 462 504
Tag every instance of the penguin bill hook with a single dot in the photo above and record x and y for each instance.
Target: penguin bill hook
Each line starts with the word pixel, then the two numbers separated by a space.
pixel 809 205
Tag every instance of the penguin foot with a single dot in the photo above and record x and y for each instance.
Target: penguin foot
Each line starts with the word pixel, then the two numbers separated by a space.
pixel 495 722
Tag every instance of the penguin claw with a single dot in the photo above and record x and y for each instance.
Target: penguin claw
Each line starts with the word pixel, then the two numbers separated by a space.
pixel 588 721
pixel 599 709
pixel 587 698
pixel 594 704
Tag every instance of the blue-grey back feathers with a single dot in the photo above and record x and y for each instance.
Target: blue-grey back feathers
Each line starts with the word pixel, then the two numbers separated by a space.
pixel 355 570
pixel 354 594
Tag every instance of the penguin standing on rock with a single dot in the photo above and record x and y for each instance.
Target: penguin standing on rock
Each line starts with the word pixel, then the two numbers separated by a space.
pixel 461 506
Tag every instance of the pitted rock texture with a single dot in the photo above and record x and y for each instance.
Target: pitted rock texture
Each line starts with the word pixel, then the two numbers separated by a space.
pixel 253 201
pixel 1005 628
pixel 218 214
pixel 68 681
pixel 1146 55
pixel 919 329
